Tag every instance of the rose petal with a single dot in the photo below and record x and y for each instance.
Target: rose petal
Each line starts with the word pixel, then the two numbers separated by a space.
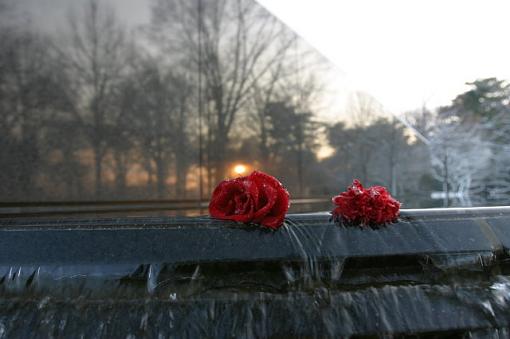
pixel 277 214
pixel 258 197
pixel 229 201
pixel 263 178
pixel 221 199
pixel 368 206
pixel 267 201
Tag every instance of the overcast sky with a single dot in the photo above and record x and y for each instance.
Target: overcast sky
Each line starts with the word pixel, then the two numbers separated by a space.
pixel 406 53
pixel 50 14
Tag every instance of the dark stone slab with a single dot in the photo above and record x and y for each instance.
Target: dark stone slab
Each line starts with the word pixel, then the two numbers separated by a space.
pixel 501 227
pixel 318 313
pixel 194 240
pixel 197 277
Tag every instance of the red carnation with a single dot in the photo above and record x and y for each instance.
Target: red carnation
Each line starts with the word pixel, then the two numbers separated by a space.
pixel 258 198
pixel 365 206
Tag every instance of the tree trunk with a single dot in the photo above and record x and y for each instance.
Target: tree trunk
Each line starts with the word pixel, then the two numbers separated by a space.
pixel 220 166
pixel 181 171
pixel 263 148
pixel 160 177
pixel 70 176
pixel 150 183
pixel 446 190
pixel 300 169
pixel 98 168
pixel 121 171
pixel 30 155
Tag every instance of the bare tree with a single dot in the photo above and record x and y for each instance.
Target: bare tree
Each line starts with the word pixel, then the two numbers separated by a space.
pixel 96 54
pixel 32 90
pixel 469 143
pixel 233 45
pixel 390 149
pixel 373 153
pixel 156 104
pixel 458 155
pixel 363 110
pixel 262 96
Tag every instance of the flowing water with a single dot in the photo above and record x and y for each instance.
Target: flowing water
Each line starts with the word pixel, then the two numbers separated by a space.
pixel 318 294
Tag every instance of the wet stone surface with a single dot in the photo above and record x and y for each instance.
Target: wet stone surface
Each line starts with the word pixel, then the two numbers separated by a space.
pixel 501 227
pixel 166 240
pixel 444 274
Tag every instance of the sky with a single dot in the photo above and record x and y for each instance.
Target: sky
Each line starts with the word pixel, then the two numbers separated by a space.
pixel 52 14
pixel 405 53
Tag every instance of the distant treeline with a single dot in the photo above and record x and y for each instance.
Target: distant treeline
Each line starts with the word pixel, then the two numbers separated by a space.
pixel 99 112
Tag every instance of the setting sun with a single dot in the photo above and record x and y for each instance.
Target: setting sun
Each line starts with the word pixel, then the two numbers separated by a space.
pixel 240 169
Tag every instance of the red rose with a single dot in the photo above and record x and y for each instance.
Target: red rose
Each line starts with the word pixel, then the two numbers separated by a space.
pixel 365 206
pixel 258 198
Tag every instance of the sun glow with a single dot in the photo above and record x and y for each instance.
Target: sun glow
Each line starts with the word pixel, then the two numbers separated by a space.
pixel 240 169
